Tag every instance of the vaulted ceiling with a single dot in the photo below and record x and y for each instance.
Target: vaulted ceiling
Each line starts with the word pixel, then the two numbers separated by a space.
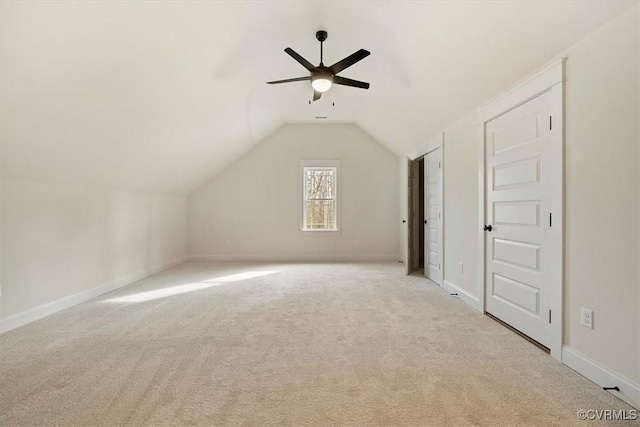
pixel 159 96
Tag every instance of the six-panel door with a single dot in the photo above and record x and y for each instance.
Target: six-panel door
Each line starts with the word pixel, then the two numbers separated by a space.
pixel 518 210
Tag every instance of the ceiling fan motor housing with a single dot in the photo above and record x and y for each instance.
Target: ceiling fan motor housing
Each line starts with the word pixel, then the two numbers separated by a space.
pixel 321 72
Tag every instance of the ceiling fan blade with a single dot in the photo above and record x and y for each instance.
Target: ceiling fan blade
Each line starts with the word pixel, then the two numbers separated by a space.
pixel 306 64
pixel 349 61
pixel 297 79
pixel 348 82
pixel 316 95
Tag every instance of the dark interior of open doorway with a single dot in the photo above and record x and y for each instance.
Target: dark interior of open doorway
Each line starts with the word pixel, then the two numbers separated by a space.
pixel 417 216
pixel 421 213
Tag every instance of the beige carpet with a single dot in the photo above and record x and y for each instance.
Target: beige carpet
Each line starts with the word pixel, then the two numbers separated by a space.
pixel 284 344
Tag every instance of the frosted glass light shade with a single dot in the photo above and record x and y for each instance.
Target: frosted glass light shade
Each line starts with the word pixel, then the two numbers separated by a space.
pixel 321 84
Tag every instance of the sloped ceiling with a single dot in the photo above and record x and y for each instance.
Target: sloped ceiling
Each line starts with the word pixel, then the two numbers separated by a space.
pixel 160 95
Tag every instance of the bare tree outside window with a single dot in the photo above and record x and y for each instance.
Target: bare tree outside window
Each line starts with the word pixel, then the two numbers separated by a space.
pixel 320 210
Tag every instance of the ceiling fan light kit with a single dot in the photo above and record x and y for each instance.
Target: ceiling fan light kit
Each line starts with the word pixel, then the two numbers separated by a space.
pixel 321 83
pixel 322 77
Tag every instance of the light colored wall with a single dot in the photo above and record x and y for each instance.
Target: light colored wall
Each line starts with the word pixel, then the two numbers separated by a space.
pixel 462 143
pixel 602 195
pixel 251 209
pixel 60 240
pixel 461 205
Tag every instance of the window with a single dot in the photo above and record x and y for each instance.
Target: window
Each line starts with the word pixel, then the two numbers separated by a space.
pixel 320 195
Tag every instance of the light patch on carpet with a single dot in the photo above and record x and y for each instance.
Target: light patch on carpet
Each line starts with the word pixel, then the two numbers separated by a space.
pixel 189 287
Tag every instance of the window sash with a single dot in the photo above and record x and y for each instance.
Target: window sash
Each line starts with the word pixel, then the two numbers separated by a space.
pixel 327 224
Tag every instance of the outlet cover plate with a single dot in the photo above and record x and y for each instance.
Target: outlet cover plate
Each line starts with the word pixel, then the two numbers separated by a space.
pixel 586 317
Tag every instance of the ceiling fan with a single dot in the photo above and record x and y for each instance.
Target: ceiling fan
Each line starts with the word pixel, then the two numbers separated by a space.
pixel 323 77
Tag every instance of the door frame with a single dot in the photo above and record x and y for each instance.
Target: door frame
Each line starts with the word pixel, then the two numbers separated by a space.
pixel 422 150
pixel 549 79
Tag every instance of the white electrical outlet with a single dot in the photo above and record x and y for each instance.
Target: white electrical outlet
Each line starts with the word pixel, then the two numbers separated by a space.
pixel 461 268
pixel 586 317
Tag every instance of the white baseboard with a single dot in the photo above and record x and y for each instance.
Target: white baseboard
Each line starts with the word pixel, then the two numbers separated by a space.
pixel 28 316
pixel 629 391
pixel 296 258
pixel 465 296
pixel 167 265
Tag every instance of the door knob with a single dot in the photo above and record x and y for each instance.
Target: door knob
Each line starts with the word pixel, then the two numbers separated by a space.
pixel 488 228
pixel 404 220
pixel 425 221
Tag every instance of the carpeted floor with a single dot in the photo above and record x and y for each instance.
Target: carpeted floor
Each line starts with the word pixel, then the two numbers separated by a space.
pixel 284 344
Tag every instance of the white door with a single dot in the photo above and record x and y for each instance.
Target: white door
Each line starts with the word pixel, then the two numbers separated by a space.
pixel 433 203
pixel 518 239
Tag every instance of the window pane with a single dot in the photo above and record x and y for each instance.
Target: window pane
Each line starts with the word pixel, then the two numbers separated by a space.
pixel 320 184
pixel 321 214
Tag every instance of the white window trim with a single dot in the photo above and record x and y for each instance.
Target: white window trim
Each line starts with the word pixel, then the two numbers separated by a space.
pixel 335 164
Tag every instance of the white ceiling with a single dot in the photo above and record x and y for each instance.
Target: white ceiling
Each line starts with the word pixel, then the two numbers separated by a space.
pixel 159 96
